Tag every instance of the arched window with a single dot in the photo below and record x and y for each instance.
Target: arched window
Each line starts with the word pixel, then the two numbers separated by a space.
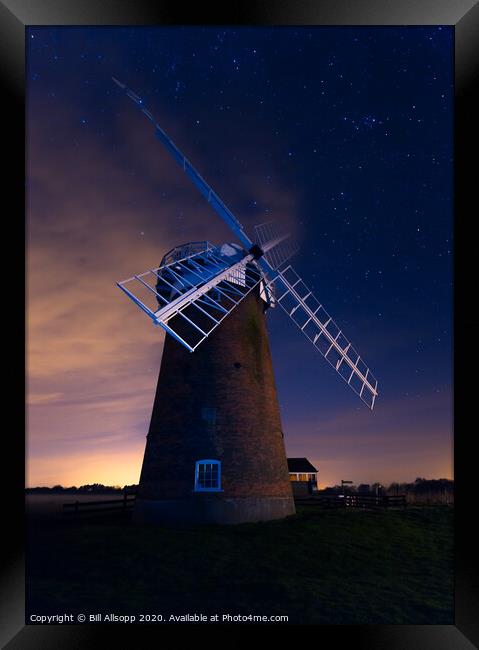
pixel 208 476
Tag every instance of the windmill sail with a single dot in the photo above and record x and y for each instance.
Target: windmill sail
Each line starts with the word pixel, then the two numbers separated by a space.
pixel 195 294
pixel 282 251
pixel 191 296
pixel 305 310
pixel 210 195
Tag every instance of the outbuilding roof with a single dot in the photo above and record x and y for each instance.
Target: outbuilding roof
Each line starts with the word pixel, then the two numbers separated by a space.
pixel 300 465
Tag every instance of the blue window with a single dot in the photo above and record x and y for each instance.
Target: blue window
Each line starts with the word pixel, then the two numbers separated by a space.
pixel 208 476
pixel 208 414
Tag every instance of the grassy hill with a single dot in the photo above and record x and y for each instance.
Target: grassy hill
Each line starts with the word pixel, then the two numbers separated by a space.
pixel 340 566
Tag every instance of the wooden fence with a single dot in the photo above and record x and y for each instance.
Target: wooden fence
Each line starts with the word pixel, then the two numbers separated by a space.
pixel 90 507
pixel 354 501
pixel 325 500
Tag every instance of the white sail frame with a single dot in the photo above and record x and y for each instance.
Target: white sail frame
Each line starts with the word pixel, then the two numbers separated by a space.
pixel 199 305
pixel 299 303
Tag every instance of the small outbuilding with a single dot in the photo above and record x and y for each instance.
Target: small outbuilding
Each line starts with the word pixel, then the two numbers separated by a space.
pixel 303 476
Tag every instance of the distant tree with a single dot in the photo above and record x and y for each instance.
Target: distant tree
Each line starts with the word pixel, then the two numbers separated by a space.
pixel 394 489
pixel 332 489
pixel 364 488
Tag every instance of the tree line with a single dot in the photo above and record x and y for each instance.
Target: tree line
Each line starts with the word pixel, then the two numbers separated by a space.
pixel 96 488
pixel 422 490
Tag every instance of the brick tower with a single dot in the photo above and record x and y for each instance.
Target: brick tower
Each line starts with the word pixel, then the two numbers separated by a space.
pixel 215 451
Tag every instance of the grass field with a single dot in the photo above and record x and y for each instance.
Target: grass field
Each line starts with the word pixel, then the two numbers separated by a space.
pixel 320 566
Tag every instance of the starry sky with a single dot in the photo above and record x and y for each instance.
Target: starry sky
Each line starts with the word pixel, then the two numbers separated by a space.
pixel 345 134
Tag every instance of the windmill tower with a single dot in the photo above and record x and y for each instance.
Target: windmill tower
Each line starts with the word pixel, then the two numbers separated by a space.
pixel 215 447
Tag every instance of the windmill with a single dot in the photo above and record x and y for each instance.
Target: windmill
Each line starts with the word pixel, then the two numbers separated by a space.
pixel 215 450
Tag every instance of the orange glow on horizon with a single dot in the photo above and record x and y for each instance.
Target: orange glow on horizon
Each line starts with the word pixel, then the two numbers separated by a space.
pixel 120 468
pixel 123 468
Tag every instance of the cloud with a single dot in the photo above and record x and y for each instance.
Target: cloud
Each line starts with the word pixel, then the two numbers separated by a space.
pixel 43 398
pixel 92 356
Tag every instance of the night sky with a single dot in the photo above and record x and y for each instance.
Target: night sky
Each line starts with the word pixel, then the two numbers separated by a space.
pixel 343 133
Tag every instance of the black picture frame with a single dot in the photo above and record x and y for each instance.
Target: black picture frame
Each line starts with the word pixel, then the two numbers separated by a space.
pixel 15 16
